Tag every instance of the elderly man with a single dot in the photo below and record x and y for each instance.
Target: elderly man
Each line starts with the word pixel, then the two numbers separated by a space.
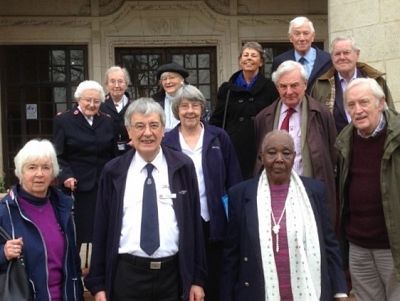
pixel 369 191
pixel 148 243
pixel 309 123
pixel 315 61
pixel 117 100
pixel 330 86
pixel 280 244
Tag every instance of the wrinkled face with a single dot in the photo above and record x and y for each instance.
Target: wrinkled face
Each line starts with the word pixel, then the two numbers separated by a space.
pixel 36 176
pixel 171 82
pixel 344 57
pixel 190 113
pixel 146 133
pixel 301 37
pixel 364 109
pixel 250 60
pixel 90 102
pixel 291 87
pixel 278 157
pixel 116 85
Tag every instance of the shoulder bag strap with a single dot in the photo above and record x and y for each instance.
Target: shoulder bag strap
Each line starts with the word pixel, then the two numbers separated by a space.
pixel 226 108
pixel 11 221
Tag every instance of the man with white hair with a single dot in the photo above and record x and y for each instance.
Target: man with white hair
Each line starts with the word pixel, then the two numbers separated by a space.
pixel 329 88
pixel 315 61
pixel 369 192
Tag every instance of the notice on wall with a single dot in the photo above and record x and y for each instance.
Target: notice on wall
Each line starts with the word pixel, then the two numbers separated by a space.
pixel 31 111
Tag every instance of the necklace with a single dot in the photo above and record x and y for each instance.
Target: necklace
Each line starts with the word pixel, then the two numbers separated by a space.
pixel 276 227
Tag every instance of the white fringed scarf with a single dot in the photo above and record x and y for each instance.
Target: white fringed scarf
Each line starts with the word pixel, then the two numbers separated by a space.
pixel 303 242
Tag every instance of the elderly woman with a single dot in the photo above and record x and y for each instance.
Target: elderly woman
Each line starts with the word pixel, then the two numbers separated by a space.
pixel 116 81
pixel 171 77
pixel 84 141
pixel 280 244
pixel 39 217
pixel 217 169
pixel 238 102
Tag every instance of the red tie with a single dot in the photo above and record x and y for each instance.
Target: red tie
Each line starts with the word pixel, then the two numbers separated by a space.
pixel 285 122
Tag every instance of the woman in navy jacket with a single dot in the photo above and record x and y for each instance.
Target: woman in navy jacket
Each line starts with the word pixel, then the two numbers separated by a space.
pixel 217 169
pixel 39 218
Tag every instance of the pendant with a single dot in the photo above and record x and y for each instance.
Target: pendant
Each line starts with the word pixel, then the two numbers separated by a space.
pixel 276 229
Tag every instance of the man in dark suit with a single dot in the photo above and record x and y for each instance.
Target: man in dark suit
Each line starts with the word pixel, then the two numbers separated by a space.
pixel 117 100
pixel 315 61
pixel 135 257
pixel 280 244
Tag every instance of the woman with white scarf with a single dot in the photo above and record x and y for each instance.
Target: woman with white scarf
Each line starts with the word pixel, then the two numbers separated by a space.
pixel 280 244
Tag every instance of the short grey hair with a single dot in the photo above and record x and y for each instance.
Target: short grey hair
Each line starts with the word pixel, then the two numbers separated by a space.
pixel 190 93
pixel 273 133
pixel 116 69
pixel 89 85
pixel 299 21
pixel 145 106
pixel 369 84
pixel 255 46
pixel 341 39
pixel 33 150
pixel 286 67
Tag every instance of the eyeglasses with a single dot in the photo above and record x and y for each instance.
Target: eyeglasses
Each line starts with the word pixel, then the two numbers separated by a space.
pixel 140 127
pixel 114 82
pixel 168 77
pixel 185 106
pixel 94 101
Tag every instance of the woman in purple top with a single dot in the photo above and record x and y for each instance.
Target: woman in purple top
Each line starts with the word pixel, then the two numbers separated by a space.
pixel 39 219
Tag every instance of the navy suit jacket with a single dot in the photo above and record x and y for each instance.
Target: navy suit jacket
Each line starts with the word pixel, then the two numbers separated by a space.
pixel 109 213
pixel 243 276
pixel 321 65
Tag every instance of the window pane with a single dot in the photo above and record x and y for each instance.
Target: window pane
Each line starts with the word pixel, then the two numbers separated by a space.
pixel 59 94
pixel 205 89
pixel 192 78
pixel 178 58
pixel 76 57
pixel 204 76
pixel 204 60
pixel 190 61
pixel 58 74
pixel 58 57
pixel 77 74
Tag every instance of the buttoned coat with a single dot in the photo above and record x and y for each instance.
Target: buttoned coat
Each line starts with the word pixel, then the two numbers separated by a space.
pixel 242 107
pixel 322 63
pixel 120 132
pixel 243 277
pixel 320 141
pixel 221 170
pixel 108 222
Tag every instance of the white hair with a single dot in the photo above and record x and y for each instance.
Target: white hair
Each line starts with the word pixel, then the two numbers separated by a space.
pixel 89 85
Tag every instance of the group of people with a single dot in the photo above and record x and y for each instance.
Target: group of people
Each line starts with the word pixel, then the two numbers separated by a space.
pixel 160 193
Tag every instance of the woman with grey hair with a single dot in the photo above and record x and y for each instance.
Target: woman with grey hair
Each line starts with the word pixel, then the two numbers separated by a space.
pixel 38 218
pixel 84 140
pixel 217 169
pixel 240 99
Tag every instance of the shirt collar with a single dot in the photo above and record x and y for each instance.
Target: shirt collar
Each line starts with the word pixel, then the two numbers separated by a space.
pixel 309 56
pixel 381 125
pixel 141 163
pixel 353 77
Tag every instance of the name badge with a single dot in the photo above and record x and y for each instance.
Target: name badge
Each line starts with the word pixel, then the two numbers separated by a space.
pixel 167 196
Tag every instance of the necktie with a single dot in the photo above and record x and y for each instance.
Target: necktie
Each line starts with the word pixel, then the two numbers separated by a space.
pixel 149 234
pixel 302 60
pixel 285 122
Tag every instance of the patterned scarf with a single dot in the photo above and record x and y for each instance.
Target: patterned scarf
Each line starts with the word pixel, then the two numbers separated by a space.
pixel 303 242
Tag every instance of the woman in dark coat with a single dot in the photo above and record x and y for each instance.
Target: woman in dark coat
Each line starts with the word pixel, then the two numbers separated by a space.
pixel 238 102
pixel 84 140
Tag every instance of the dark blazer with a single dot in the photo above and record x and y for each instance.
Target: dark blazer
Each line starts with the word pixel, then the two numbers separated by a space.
pixel 82 150
pixel 243 277
pixel 242 108
pixel 321 65
pixel 120 132
pixel 220 168
pixel 108 222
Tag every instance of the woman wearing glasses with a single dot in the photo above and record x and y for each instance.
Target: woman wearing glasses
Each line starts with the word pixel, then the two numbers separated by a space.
pixel 84 140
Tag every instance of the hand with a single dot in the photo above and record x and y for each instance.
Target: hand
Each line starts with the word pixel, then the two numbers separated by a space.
pixel 100 296
pixel 70 183
pixel 196 293
pixel 13 248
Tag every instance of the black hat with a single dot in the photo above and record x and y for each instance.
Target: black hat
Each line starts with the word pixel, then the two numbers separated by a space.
pixel 172 67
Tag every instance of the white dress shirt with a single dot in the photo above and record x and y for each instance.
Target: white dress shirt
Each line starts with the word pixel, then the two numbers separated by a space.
pixel 170 120
pixel 344 83
pixel 196 156
pixel 309 62
pixel 295 132
pixel 132 210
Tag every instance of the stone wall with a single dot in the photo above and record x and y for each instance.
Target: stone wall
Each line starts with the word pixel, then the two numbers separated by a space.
pixel 375 25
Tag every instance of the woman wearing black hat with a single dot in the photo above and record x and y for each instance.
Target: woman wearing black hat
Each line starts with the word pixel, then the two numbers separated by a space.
pixel 239 100
pixel 171 77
